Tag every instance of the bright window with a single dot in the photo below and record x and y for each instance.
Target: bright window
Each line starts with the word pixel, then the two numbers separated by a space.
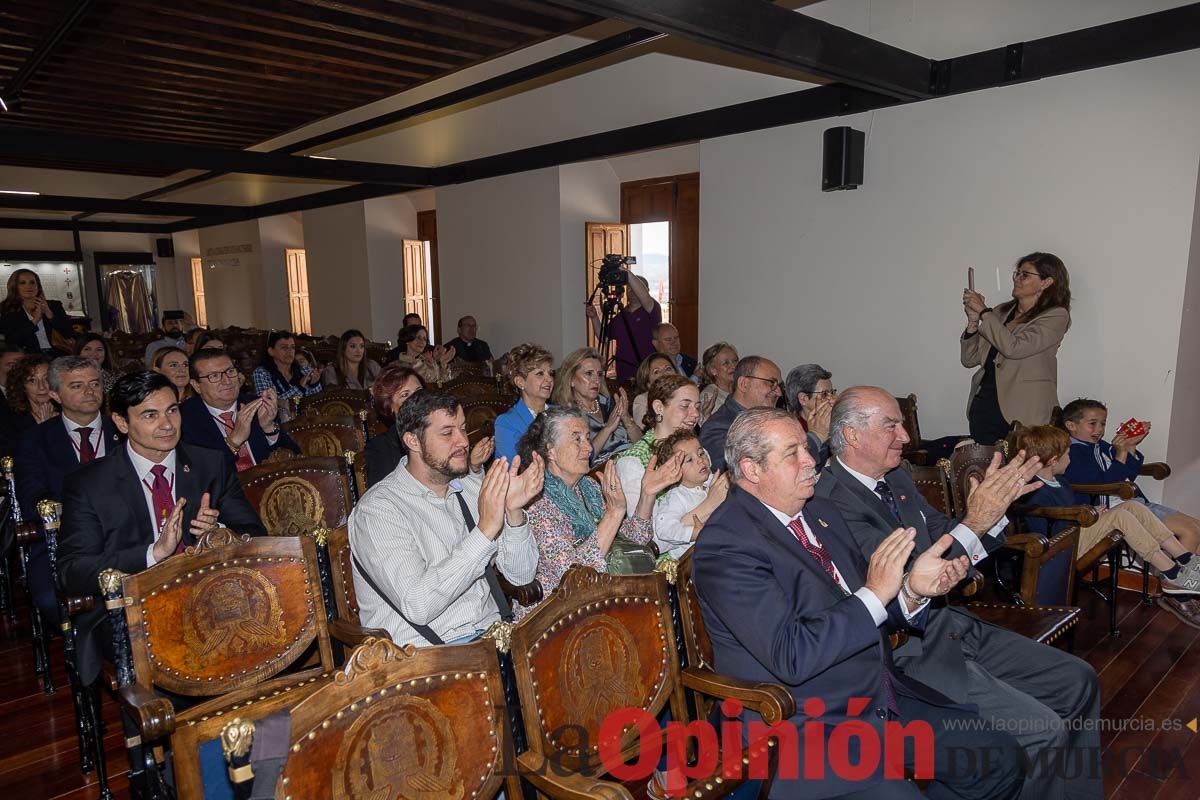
pixel 297 272
pixel 198 292
pixel 650 243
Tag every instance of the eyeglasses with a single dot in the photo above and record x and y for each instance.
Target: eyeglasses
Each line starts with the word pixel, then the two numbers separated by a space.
pixel 826 393
pixel 774 384
pixel 1021 275
pixel 217 377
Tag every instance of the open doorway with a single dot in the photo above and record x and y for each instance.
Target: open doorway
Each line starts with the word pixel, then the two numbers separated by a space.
pixel 650 244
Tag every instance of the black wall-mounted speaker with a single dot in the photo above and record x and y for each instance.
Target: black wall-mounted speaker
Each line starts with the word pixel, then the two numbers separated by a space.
pixel 843 159
pixel 166 248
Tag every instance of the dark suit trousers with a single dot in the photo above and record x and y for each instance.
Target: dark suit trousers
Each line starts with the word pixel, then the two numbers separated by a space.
pixel 970 762
pixel 41 588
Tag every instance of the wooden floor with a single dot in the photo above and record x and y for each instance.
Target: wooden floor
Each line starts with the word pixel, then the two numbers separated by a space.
pixel 1151 672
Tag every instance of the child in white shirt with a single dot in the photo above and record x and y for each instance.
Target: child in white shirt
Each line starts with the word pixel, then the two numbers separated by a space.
pixel 681 512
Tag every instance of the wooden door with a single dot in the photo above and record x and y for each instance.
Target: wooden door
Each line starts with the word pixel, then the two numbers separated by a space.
pixel 602 239
pixel 427 232
pixel 297 274
pixel 416 293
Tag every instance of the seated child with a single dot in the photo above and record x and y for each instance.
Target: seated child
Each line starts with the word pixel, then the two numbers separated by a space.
pixel 1093 460
pixel 682 511
pixel 1178 571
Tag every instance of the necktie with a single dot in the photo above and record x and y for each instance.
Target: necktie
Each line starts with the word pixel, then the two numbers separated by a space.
pixel 164 503
pixel 818 552
pixel 244 459
pixel 86 451
pixel 885 494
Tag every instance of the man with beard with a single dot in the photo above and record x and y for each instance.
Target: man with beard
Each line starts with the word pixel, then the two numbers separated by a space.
pixel 423 565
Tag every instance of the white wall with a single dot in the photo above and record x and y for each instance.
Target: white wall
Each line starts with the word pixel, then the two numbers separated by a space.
pixel 278 235
pixel 587 193
pixel 339 284
pixel 1183 451
pixel 233 280
pixel 499 244
pixel 389 221
pixel 1098 167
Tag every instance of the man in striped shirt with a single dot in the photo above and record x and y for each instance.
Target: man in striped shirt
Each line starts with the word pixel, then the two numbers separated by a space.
pixel 420 558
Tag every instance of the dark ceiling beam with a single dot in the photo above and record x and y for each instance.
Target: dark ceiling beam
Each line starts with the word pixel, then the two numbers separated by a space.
pixel 15 140
pixel 1148 36
pixel 107 205
pixel 61 29
pixel 308 202
pixel 767 32
pixel 17 223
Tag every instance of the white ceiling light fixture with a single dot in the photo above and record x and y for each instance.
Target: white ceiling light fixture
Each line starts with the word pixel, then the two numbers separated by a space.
pixel 324 158
pixel 18 191
pixel 3 104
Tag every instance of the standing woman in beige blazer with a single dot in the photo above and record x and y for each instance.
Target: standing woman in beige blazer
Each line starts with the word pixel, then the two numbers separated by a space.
pixel 1015 346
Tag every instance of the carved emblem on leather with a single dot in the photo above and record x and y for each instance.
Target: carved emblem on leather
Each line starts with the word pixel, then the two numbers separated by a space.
pixel 337 408
pixel 291 507
pixel 322 443
pixel 600 671
pixel 400 750
pixel 232 612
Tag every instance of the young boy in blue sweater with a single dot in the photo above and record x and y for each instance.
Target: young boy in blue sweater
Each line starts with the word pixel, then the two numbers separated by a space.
pixel 1178 571
pixel 1094 460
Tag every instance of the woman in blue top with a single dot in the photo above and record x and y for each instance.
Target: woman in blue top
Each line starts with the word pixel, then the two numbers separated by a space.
pixel 1094 460
pixel 530 368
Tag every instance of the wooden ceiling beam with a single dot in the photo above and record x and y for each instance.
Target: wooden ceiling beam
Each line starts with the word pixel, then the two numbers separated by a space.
pixel 439 27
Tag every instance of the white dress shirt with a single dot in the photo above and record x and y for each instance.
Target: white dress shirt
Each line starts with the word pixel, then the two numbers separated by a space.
pixel 141 468
pixel 42 337
pixel 869 599
pixel 419 551
pixel 965 536
pixel 97 435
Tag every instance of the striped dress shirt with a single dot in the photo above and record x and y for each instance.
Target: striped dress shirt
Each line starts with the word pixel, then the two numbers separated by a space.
pixel 417 549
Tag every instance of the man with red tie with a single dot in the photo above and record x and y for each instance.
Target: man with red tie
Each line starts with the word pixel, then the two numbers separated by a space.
pixel 246 429
pixel 143 503
pixel 52 450
pixel 785 600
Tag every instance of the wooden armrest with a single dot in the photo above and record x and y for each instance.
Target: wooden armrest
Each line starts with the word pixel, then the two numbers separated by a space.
pixel 28 533
pixel 528 595
pixel 897 639
pixel 535 768
pixel 1157 470
pixel 1123 489
pixel 1031 544
pixel 352 634
pixel 971 586
pixel 78 604
pixel 1083 516
pixel 770 700
pixel 154 715
pixel 1099 550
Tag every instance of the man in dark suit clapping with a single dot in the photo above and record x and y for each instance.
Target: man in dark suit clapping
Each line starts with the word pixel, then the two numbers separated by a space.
pixel 143 503
pixel 52 450
pixel 786 601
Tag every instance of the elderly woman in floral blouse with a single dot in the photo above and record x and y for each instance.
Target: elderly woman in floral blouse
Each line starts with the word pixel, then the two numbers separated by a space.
pixel 576 519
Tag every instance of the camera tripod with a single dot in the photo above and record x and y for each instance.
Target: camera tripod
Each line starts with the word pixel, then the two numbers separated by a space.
pixel 611 305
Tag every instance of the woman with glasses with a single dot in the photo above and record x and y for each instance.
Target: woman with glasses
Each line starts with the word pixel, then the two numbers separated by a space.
pixel 810 396
pixel 1015 347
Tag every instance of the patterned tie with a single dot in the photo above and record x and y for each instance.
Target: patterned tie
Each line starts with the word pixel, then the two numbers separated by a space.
pixel 818 552
pixel 244 459
pixel 885 494
pixel 86 451
pixel 164 503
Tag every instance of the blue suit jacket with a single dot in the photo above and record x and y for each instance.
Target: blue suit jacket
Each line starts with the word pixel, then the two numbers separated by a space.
pixel 202 430
pixel 1049 497
pixel 774 615
pixel 46 456
pixel 716 428
pixel 1085 469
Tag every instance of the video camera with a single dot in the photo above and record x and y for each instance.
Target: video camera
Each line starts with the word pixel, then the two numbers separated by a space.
pixel 611 274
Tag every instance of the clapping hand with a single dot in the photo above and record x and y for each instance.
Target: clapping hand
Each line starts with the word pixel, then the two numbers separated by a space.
pixel 933 576
pixel 657 478
pixel 245 418
pixel 620 411
pixel 171 533
pixel 719 488
pixel 610 487
pixel 206 517
pixel 989 499
pixel 492 496
pixel 482 452
pixel 886 569
pixel 268 407
pixel 523 488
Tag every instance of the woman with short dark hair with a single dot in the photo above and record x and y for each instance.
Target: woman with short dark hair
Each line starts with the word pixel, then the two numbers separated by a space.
pixel 280 372
pixel 390 392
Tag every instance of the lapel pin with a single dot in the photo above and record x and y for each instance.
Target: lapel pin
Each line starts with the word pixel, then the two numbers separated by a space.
pixel 186 468
pixel 822 523
pixel 903 497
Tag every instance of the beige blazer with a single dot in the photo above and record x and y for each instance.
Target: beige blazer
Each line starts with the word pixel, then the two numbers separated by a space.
pixel 1026 363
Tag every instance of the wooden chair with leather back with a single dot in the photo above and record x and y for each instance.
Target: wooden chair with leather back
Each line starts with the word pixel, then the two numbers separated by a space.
pixel 1043 623
pixel 469 387
pixel 394 722
pixel 326 435
pixel 913 451
pixel 336 401
pixel 298 496
pixel 233 623
pixel 601 643
pixel 481 413
pixel 25 534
